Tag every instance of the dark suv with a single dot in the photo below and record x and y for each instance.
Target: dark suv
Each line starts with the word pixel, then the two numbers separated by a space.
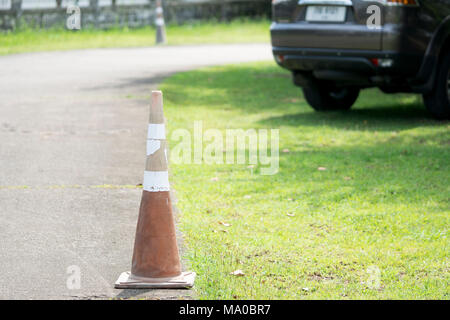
pixel 334 48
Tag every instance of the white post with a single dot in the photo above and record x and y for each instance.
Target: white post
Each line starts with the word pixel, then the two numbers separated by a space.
pixel 160 25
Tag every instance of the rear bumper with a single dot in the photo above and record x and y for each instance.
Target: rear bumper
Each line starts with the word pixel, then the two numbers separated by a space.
pixel 346 47
pixel 360 63
pixel 316 35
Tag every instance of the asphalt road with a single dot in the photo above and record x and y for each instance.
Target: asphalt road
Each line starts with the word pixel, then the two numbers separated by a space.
pixel 72 151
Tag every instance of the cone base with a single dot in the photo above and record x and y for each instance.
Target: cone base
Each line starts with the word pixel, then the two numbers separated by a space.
pixel 128 281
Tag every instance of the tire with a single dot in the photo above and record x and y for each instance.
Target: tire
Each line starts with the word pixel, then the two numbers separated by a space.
pixel 326 97
pixel 438 100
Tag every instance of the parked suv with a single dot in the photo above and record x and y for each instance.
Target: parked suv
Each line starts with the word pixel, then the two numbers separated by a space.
pixel 335 48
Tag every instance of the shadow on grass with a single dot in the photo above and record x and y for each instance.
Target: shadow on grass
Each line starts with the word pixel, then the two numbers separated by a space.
pixel 405 161
pixel 254 89
pixel 373 118
pixel 391 173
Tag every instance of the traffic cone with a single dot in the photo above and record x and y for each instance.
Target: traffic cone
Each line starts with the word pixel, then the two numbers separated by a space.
pixel 156 262
pixel 160 25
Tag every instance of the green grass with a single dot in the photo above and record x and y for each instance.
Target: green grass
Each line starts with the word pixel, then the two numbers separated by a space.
pixel 30 40
pixel 382 201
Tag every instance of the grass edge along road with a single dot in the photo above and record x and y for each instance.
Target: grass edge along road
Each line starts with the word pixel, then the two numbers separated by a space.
pixel 236 31
pixel 358 210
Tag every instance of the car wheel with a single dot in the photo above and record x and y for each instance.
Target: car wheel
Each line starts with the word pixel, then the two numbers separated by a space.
pixel 325 97
pixel 438 100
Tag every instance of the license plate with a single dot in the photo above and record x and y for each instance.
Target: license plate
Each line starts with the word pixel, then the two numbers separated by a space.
pixel 326 13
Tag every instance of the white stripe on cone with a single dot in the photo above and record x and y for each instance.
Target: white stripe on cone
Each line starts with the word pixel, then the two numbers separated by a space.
pixel 156 181
pixel 153 146
pixel 156 131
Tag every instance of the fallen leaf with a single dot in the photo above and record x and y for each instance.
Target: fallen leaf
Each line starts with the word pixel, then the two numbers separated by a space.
pixel 238 273
pixel 291 100
pixel 321 168
pixel 290 214
pixel 347 178
pixel 224 231
pixel 305 289
pixel 224 224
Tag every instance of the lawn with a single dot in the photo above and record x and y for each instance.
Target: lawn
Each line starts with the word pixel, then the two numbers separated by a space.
pixel 357 193
pixel 237 31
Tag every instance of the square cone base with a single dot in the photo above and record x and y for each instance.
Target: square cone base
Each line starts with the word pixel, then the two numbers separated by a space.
pixel 128 281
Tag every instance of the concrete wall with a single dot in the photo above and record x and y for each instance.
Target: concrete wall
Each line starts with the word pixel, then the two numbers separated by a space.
pixel 131 13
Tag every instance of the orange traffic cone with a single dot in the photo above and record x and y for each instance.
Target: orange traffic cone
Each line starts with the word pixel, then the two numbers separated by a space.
pixel 156 263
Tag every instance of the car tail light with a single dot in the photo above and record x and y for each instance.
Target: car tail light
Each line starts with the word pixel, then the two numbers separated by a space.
pixel 383 63
pixel 279 58
pixel 375 61
pixel 402 2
